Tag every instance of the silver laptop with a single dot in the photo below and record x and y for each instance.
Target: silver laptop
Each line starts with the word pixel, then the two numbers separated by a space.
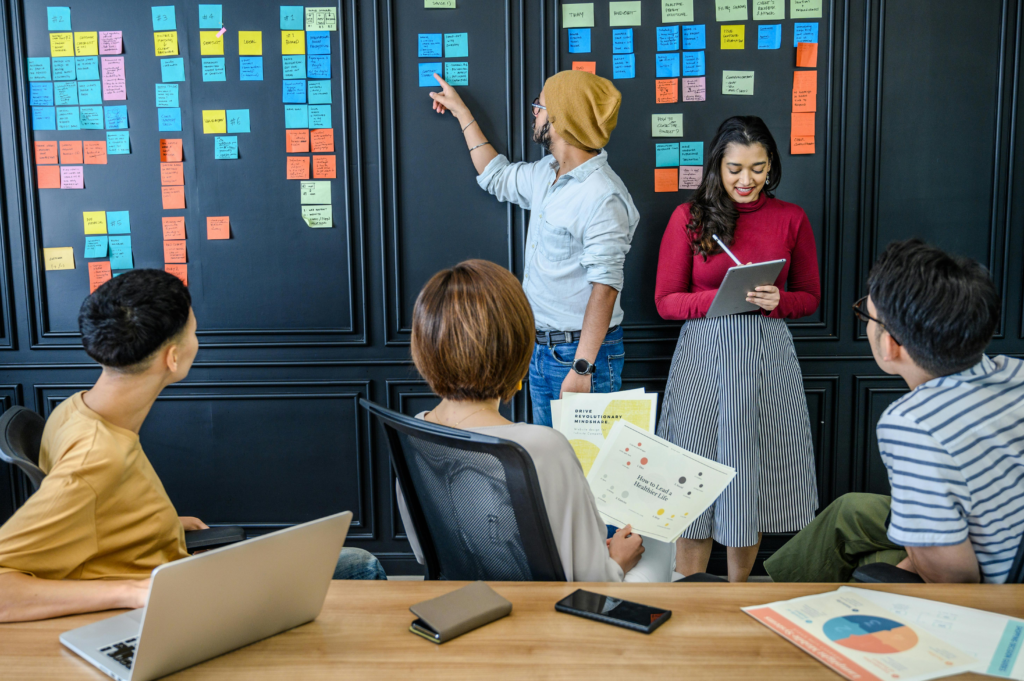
pixel 207 605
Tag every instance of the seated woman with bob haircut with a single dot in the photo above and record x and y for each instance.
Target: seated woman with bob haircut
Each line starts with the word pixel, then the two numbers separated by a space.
pixel 472 337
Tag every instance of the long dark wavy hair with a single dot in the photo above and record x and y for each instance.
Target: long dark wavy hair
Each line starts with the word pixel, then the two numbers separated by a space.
pixel 712 212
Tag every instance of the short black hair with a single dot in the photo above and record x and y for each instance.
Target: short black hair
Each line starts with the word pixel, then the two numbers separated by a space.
pixel 131 316
pixel 942 308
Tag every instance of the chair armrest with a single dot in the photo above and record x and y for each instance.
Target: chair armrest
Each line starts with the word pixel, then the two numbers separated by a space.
pixel 204 540
pixel 883 573
pixel 702 577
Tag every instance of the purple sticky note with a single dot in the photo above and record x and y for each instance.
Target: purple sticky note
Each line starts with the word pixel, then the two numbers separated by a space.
pixel 71 177
pixel 110 42
pixel 112 74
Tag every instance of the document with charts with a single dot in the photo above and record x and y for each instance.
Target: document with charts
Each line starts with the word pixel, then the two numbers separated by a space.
pixel 586 418
pixel 649 483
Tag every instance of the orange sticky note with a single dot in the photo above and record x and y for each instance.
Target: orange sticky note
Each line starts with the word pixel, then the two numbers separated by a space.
pixel 666 91
pixel 803 125
pixel 48 177
pixel 298 167
pixel 175 251
pixel 95 152
pixel 174 197
pixel 174 228
pixel 99 274
pixel 321 140
pixel 71 152
pixel 180 271
pixel 807 55
pixel 801 145
pixel 666 179
pixel 218 227
pixel 588 66
pixel 297 141
pixel 172 174
pixel 46 152
pixel 324 167
pixel 805 91
pixel 170 151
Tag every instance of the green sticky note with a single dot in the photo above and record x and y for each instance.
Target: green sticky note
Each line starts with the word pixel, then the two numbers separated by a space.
pixel 580 15
pixel 318 216
pixel 667 125
pixel 805 9
pixel 624 13
pixel 737 82
pixel 316 192
pixel 678 10
pixel 439 4
pixel 769 10
pixel 731 10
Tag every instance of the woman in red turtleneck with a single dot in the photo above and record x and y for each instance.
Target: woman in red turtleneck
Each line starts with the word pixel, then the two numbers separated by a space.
pixel 735 392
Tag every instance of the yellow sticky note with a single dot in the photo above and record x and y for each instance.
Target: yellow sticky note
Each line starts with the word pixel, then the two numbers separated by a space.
pixel 292 42
pixel 250 42
pixel 215 122
pixel 95 222
pixel 87 44
pixel 62 45
pixel 210 43
pixel 166 43
pixel 733 37
pixel 59 258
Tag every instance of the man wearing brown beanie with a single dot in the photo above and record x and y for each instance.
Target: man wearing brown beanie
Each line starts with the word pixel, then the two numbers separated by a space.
pixel 581 224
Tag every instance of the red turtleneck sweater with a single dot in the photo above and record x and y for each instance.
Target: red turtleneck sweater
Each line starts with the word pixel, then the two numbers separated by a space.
pixel 767 229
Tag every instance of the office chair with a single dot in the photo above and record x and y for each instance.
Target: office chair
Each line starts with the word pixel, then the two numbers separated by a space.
pixel 474 501
pixel 21 431
pixel 883 573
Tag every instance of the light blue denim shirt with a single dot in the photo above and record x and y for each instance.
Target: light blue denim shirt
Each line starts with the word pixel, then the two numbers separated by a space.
pixel 580 230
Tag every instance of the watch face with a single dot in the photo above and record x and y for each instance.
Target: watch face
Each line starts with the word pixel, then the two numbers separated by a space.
pixel 581 366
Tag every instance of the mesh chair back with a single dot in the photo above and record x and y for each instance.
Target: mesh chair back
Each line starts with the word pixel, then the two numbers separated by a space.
pixel 21 431
pixel 474 501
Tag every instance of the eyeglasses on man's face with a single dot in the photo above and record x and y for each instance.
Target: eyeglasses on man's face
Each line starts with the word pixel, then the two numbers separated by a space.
pixel 860 311
pixel 537 106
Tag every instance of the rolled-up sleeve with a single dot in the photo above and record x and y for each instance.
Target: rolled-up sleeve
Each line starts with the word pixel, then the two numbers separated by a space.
pixel 508 181
pixel 606 241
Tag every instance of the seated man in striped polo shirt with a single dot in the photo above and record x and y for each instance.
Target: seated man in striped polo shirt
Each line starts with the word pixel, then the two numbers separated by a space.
pixel 953 447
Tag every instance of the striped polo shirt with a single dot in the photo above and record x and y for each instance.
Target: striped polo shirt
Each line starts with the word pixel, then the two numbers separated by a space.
pixel 954 450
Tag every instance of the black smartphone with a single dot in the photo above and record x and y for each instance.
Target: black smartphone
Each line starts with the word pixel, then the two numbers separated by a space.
pixel 615 611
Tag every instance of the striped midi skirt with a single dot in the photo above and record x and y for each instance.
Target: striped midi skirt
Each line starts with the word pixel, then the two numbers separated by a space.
pixel 735 395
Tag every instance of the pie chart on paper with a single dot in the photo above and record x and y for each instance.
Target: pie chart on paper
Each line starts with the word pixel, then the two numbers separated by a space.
pixel 870 634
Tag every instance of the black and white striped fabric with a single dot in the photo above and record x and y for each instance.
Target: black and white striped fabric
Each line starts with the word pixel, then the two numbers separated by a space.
pixel 735 395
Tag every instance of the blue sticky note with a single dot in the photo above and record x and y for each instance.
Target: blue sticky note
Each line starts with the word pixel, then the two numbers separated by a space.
pixel 89 92
pixel 65 93
pixel 166 95
pixel 456 72
pixel 292 17
pixel 693 63
pixel 456 45
pixel 668 38
pixel 579 40
pixel 293 92
pixel 40 94
pixel 39 68
pixel 429 45
pixel 318 42
pixel 116 117
pixel 622 41
pixel 172 70
pixel 118 142
pixel 87 68
pixel 427 71
pixel 96 246
pixel 296 116
pixel 693 37
pixel 118 222
pixel 294 66
pixel 58 18
pixel 225 148
pixel 667 65
pixel 666 155
pixel 91 117
pixel 168 119
pixel 691 153
pixel 624 66
pixel 64 68
pixel 318 91
pixel 44 118
pixel 318 66
pixel 213 69
pixel 210 16
pixel 120 252
pixel 805 33
pixel 238 120
pixel 320 116
pixel 769 37
pixel 67 118
pixel 163 18
pixel 250 68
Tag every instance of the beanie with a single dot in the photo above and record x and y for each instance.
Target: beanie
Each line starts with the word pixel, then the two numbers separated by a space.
pixel 582 108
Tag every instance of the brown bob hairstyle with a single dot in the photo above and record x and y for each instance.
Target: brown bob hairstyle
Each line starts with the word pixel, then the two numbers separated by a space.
pixel 472 332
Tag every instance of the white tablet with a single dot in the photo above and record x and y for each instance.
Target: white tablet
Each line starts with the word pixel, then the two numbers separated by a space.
pixel 739 281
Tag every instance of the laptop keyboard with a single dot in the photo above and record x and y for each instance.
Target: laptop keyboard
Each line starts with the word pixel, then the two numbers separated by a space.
pixel 123 652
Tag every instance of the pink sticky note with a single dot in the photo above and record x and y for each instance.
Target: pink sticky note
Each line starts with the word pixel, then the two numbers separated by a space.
pixel 112 72
pixel 690 176
pixel 110 42
pixel 221 32
pixel 71 177
pixel 694 90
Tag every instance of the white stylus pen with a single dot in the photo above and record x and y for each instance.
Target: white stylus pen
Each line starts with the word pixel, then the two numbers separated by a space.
pixel 726 249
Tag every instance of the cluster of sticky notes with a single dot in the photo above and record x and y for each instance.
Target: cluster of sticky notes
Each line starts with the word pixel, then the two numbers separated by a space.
pixel 447 46
pixel 108 235
pixel 172 174
pixel 175 246
pixel 579 19
pixel 678 165
pixel 65 171
pixel 805 104
pixel 67 90
pixel 316 203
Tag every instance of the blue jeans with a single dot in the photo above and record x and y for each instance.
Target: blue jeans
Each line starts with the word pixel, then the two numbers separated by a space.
pixel 358 564
pixel 551 364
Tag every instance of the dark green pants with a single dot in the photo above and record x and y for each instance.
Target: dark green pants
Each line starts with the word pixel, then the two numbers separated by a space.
pixel 847 534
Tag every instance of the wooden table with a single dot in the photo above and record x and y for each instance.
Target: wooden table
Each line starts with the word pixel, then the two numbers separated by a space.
pixel 362 633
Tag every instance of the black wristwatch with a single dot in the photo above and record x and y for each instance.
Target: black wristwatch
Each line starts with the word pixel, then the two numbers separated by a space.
pixel 582 367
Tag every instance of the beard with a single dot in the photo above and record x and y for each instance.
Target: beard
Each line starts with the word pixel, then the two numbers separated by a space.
pixel 543 135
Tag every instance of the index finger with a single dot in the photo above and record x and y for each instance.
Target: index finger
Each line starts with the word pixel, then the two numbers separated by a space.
pixel 442 81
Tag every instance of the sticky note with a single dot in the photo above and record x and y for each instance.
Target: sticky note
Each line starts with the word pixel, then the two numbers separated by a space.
pixel 624 13
pixel 666 155
pixel 730 10
pixel 214 122
pixel 802 125
pixel 67 118
pixel 321 140
pixel 579 42
pixel 62 45
pixel 805 9
pixel 805 33
pixel 175 251
pixel 293 42
pixel 180 271
pixel 65 93
pixel 439 4
pixel 118 222
pixel 690 176
pixel 319 42
pixel 293 67
pixel 173 197
pixel 805 91
pixel 807 55
pixel 116 117
pixel 89 92
pixel 769 36
pixel 676 10
pixel 691 154
pixel 238 120
pixel 110 42
pixel 315 192
pixel 218 227
pixel 211 43
pixel 225 147
pixel 95 222
pixel 578 15
pixel 48 177
pixel 666 179
pixel 431 45
pixel 118 142
pixel 71 151
pixel 297 167
pixel 667 65
pixel 40 94
pixel 456 72
pixel 95 247
pixel 165 43
pixel 170 151
pixel 168 119
pixel 801 145
pixel 318 66
pixel 318 216
pixel 174 227
pixel 695 89
pixel 588 66
pixel 87 44
pixel 46 152
pixel 172 70
pixel 666 91
pixel 291 17
pixel 38 68
pixel 44 118
pixel 64 68
pixel 624 66
pixel 318 91
pixel 296 141
pixel 250 68
pixel 737 82
pixel 296 116
pixel 211 16
pixel 58 18
pixel 668 38
pixel 112 72
pixel 427 71
pixel 733 37
pixel 769 10
pixel 62 258
pixel 166 95
pixel 172 174
pixel 250 42
pixel 667 125
pixel 163 18
pixel 324 167
pixel 622 40
pixel 456 45
pixel 87 68
pixel 321 19
pixel 693 63
pixel 213 69
pixel 320 116
pixel 95 152
pixel 99 274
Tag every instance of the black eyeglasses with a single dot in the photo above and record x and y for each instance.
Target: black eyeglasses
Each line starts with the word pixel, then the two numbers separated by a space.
pixel 537 105
pixel 860 312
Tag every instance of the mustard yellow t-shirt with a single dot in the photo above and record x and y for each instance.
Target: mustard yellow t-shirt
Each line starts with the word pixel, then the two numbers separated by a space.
pixel 101 512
